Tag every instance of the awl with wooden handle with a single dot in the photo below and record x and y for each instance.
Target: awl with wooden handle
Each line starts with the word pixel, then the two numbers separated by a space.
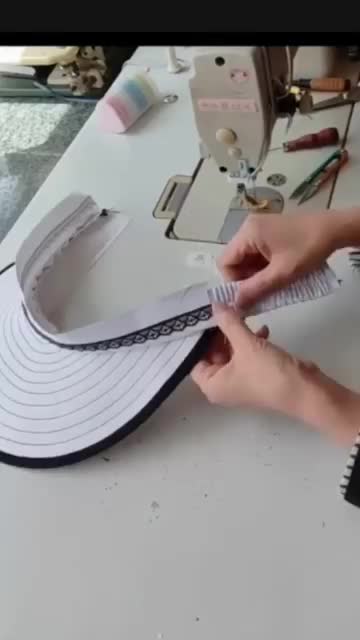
pixel 324 84
pixel 322 138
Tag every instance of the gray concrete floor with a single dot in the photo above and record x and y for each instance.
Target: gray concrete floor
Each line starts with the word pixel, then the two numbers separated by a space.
pixel 34 135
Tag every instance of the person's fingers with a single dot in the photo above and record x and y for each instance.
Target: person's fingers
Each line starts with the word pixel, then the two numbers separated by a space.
pixel 233 274
pixel 232 326
pixel 203 372
pixel 241 262
pixel 239 258
pixel 260 284
pixel 218 351
pixel 264 332
pixel 212 380
pixel 242 271
pixel 233 254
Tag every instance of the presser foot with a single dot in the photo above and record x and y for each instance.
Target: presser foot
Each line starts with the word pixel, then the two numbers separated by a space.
pixel 255 200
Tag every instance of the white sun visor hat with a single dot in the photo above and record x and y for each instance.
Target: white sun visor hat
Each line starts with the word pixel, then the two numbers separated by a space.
pixel 66 395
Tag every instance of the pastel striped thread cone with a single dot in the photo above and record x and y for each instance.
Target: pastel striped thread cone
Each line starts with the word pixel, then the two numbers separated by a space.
pixel 121 107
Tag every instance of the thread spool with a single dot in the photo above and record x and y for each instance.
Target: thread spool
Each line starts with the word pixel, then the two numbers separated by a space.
pixel 126 103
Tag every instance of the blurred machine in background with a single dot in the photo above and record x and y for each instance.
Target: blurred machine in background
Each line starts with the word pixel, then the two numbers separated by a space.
pixel 82 72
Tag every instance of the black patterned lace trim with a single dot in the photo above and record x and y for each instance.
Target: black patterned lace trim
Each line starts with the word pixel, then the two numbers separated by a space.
pixel 162 329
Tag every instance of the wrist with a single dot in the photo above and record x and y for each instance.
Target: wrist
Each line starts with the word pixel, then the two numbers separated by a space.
pixel 325 404
pixel 342 228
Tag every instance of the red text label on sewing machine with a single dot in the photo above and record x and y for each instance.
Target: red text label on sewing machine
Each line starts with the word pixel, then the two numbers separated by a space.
pixel 245 105
pixel 239 75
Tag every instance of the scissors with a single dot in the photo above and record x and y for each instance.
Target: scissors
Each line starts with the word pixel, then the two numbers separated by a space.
pixel 311 185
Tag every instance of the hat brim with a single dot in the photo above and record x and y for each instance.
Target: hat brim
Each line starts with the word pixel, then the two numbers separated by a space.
pixel 58 407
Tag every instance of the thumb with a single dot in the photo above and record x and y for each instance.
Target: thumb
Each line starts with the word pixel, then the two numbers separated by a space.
pixel 231 325
pixel 260 284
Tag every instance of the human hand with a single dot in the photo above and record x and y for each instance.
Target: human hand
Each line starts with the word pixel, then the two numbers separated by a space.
pixel 243 369
pixel 270 251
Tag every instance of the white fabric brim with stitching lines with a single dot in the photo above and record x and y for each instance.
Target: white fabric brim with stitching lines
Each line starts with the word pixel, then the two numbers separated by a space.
pixel 67 395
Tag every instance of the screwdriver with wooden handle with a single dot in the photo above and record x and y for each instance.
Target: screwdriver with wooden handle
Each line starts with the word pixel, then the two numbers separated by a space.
pixel 324 84
pixel 322 138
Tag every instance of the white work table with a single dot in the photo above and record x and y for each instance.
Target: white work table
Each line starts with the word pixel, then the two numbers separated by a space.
pixel 205 523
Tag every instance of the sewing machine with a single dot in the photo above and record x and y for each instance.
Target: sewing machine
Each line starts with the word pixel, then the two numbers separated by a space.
pixel 241 102
pixel 237 95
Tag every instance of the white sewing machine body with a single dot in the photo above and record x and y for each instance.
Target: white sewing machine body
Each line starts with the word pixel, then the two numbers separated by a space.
pixel 235 95
pixel 205 516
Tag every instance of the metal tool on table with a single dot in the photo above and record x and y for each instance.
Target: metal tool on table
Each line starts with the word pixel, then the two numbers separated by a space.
pixel 351 97
pixel 324 84
pixel 322 138
pixel 305 102
pixel 310 186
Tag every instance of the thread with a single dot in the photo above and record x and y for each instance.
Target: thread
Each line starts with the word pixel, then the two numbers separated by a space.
pixel 125 103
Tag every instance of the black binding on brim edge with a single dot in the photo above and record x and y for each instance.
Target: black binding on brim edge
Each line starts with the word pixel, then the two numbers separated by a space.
pixel 170 385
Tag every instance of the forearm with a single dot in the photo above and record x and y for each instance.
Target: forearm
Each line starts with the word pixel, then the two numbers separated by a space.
pixel 326 405
pixel 342 228
pixel 335 410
